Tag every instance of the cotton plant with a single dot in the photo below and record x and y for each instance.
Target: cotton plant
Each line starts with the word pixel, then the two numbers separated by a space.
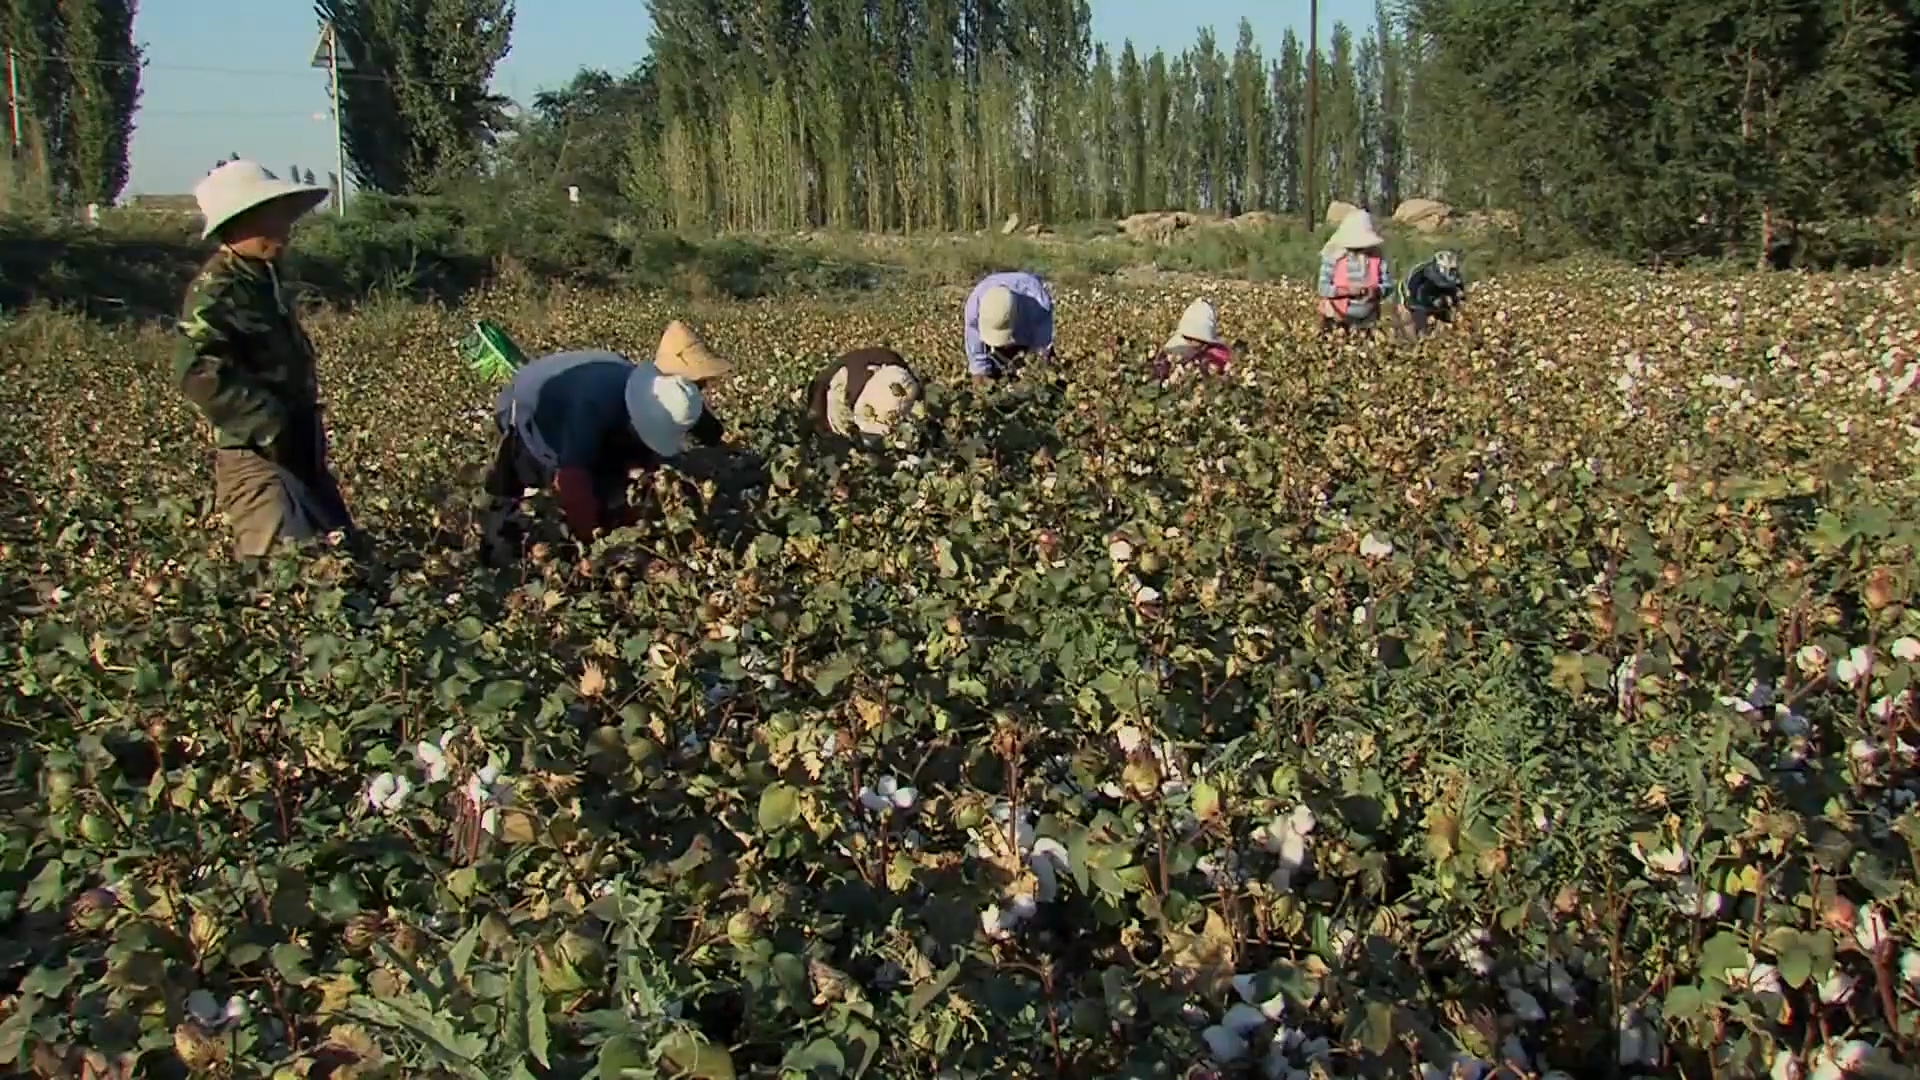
pixel 1287 839
pixel 1840 1058
pixel 888 796
pixel 214 1015
pixel 1035 863
pixel 488 791
pixel 387 792
pixel 1232 1038
pixel 1134 740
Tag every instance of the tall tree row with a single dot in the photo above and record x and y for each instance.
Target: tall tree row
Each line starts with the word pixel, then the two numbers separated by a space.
pixel 960 114
pixel 414 103
pixel 1692 128
pixel 76 73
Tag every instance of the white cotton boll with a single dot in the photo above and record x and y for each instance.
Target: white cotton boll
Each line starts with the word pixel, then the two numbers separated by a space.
pixel 1525 1006
pixel 1907 648
pixel 1302 820
pixel 1910 966
pixel 1856 667
pixel 1374 547
pixel 1811 660
pixel 1224 1045
pixel 1120 552
pixel 1470 946
pixel 1131 738
pixel 1293 851
pixel 1786 1066
pixel 1243 1019
pixel 1835 1061
pixel 1837 988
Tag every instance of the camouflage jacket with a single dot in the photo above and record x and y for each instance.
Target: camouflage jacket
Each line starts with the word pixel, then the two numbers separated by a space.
pixel 243 359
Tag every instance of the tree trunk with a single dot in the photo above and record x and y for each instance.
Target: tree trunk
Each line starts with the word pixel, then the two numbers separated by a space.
pixel 1763 260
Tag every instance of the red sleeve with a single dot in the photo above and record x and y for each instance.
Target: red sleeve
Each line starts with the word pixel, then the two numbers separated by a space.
pixel 574 488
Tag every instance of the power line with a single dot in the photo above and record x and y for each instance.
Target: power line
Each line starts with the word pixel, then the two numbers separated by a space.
pixel 256 73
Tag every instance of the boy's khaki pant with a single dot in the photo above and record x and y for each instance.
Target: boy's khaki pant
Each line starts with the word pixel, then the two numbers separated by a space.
pixel 265 503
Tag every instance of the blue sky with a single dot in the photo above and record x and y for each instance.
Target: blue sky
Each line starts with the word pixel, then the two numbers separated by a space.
pixel 231 76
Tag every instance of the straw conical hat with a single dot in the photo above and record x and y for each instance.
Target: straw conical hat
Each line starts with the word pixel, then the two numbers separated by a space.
pixel 682 353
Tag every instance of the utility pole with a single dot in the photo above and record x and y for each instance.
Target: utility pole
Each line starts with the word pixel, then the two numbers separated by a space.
pixel 326 54
pixel 13 97
pixel 1312 155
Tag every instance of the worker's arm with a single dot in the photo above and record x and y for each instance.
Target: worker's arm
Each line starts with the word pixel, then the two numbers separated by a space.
pixel 707 431
pixel 209 367
pixel 579 503
pixel 1326 281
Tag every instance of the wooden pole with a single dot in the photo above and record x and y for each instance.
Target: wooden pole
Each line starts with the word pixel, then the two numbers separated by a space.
pixel 1311 153
pixel 13 98
pixel 339 143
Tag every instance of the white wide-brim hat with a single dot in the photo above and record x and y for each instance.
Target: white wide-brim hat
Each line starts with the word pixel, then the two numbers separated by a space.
pixel 888 396
pixel 1200 323
pixel 1354 233
pixel 996 317
pixel 239 186
pixel 662 409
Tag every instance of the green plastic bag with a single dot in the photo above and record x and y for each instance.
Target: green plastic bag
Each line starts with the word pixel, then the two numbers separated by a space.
pixel 491 353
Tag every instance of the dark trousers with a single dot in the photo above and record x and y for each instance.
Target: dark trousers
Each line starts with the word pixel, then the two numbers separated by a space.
pixel 514 472
pixel 1422 319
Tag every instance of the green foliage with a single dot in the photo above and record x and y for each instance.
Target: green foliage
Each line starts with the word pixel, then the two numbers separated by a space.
pixel 1654 128
pixel 77 70
pixel 1544 689
pixel 952 115
pixel 415 105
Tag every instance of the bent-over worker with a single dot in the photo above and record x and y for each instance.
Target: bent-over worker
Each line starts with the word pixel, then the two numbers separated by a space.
pixel 583 421
pixel 866 396
pixel 1433 290
pixel 1354 275
pixel 1195 347
pixel 245 362
pixel 1007 315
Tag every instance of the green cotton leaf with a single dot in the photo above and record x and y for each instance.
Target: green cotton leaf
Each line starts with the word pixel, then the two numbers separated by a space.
pixel 1795 963
pixel 779 808
pixel 868 1040
pixel 407 1014
pixel 502 696
pixel 896 652
pixel 1372 1027
pixel 1684 1002
pixel 819 1056
pixel 1723 952
pixel 527 1010
pixel 1569 674
pixel 621 1057
pixel 1206 801
pixel 833 673
pixel 687 1055
pixel 461 955
pixel 926 993
pixel 290 961
pixel 48 982
pixel 48 889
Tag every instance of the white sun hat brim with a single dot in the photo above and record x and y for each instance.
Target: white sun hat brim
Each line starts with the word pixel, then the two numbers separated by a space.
pixel 239 186
pixel 662 409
